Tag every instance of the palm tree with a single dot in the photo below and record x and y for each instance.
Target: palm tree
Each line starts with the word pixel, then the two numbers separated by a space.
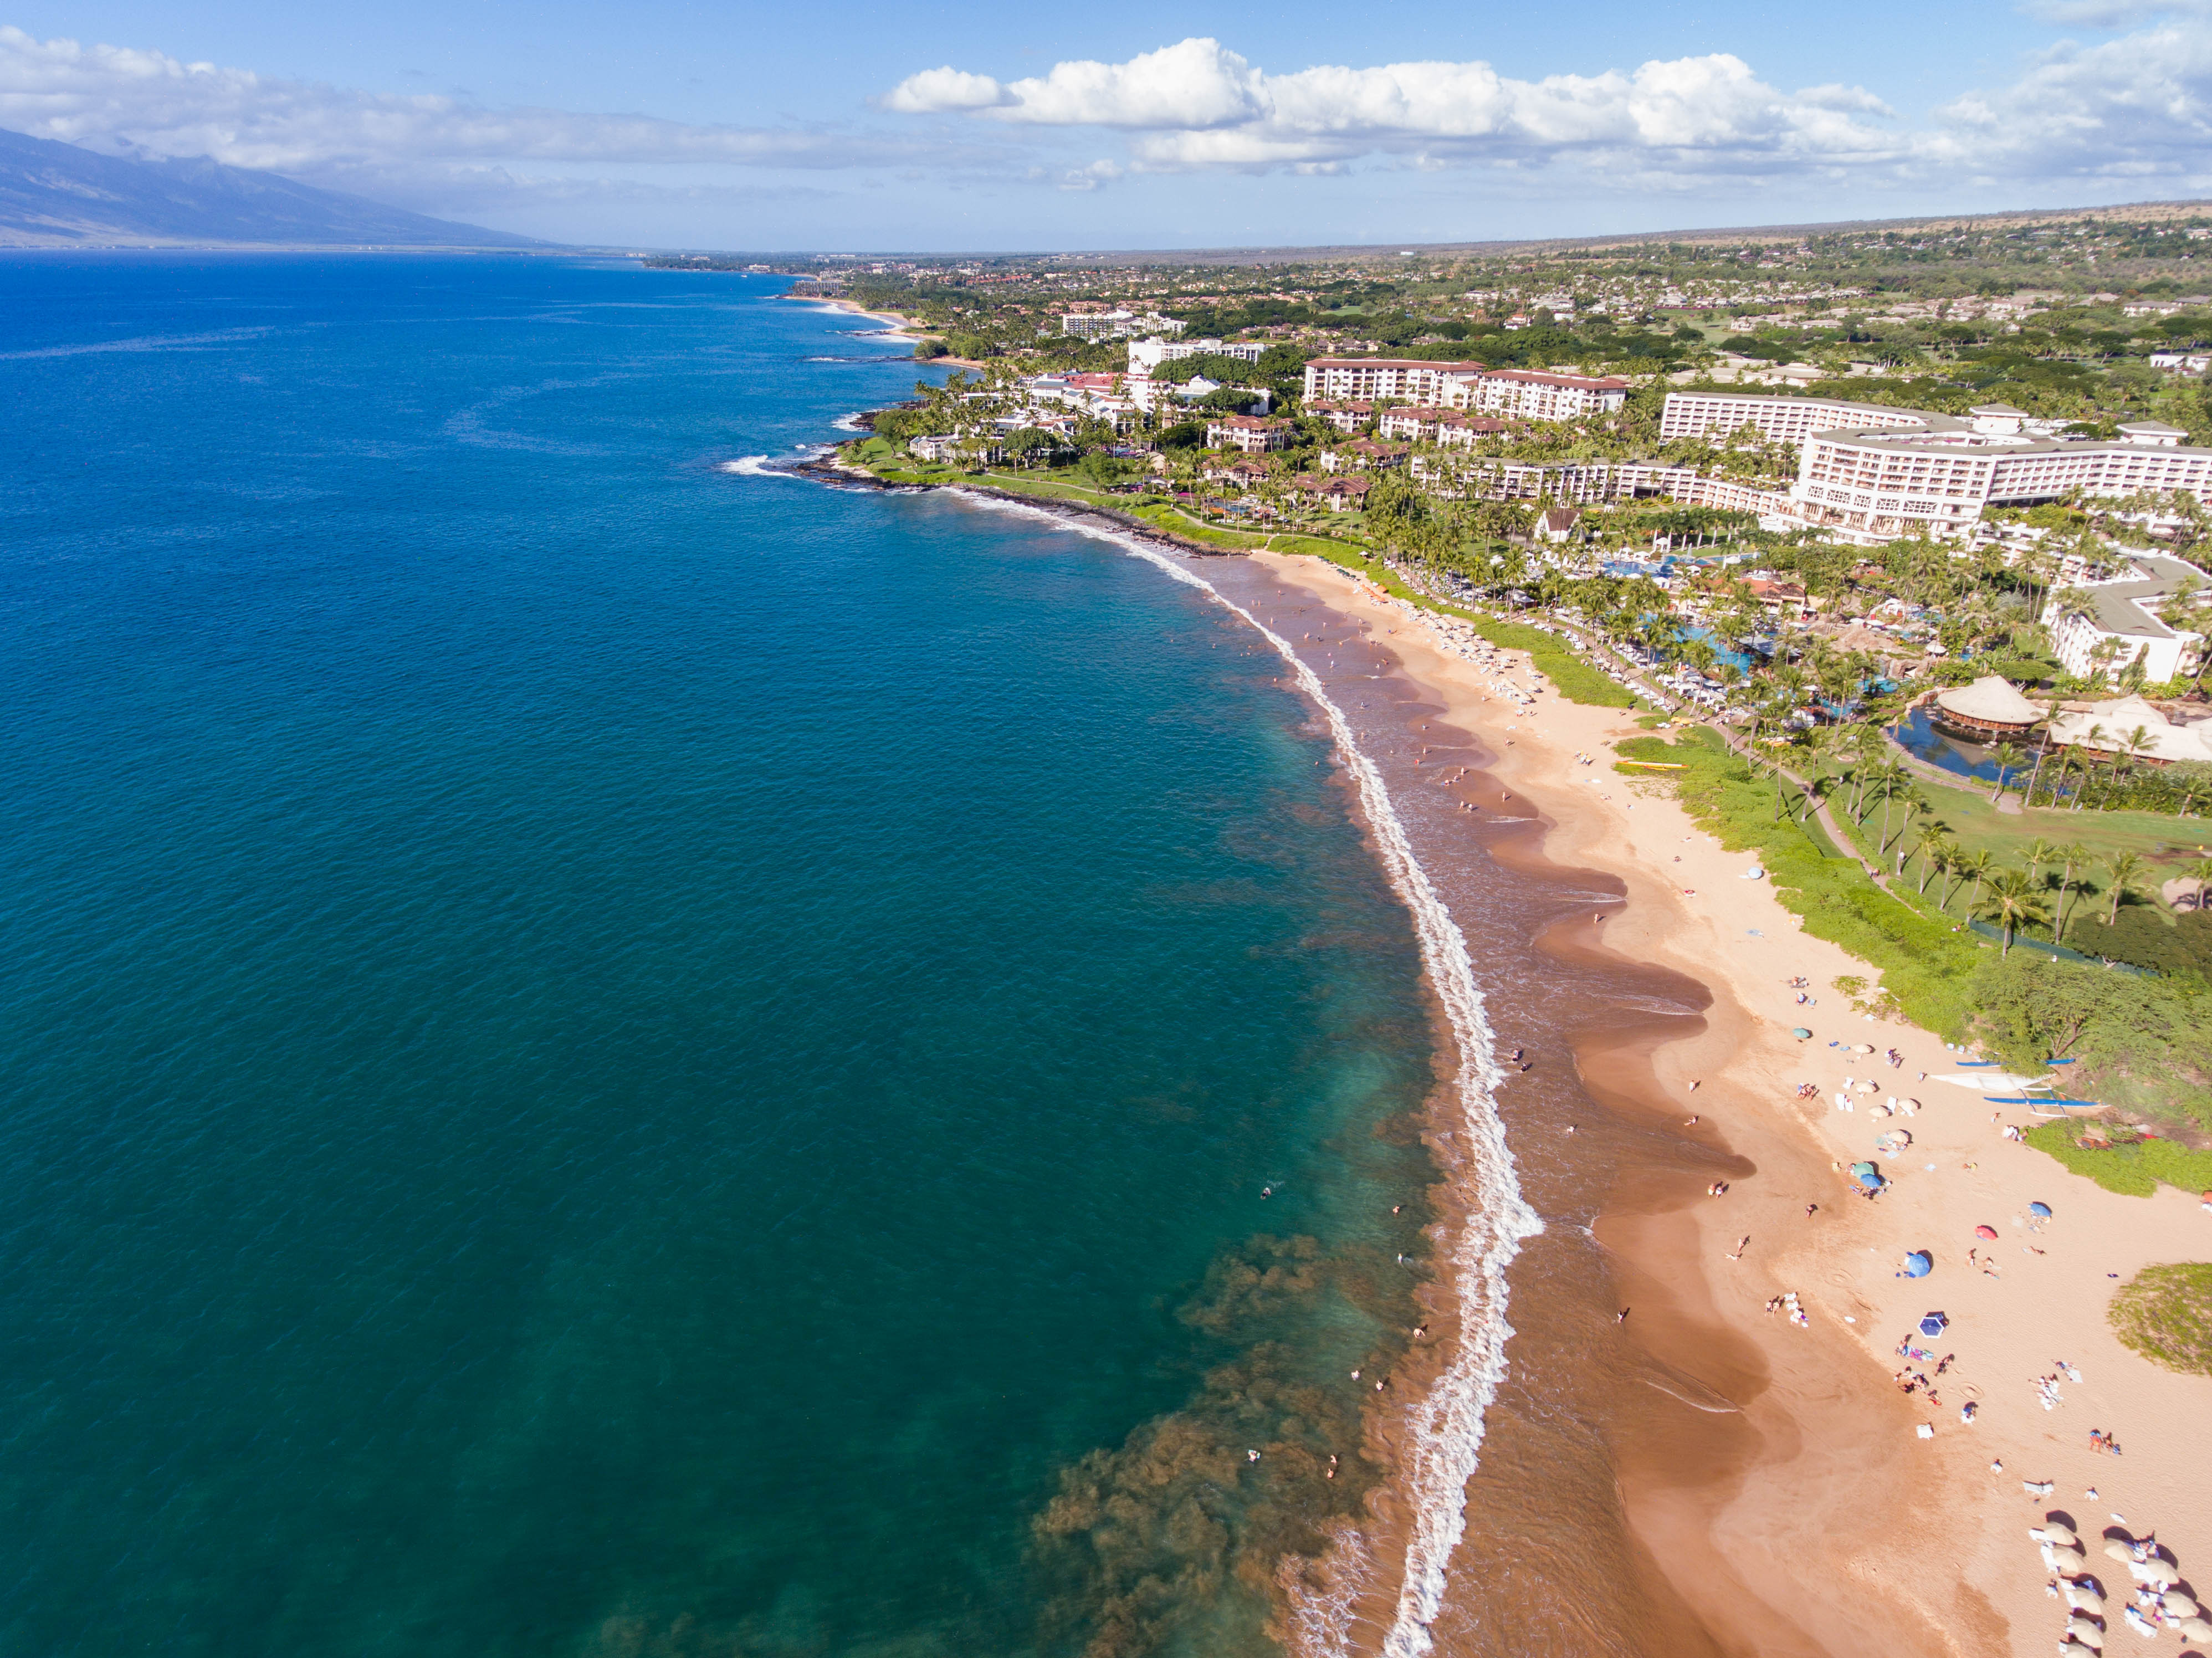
pixel 2059 783
pixel 1935 853
pixel 1978 865
pixel 2089 739
pixel 2075 856
pixel 1916 808
pixel 2123 868
pixel 2136 742
pixel 2006 755
pixel 2042 748
pixel 2201 872
pixel 1893 781
pixel 2038 853
pixel 2013 899
pixel 1865 744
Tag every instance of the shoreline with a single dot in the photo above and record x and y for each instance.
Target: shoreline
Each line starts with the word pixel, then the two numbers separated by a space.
pixel 900 326
pixel 1772 1479
pixel 1778 1515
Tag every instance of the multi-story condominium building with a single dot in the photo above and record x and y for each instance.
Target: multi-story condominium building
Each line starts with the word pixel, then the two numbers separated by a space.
pixel 1912 472
pixel 1347 418
pixel 1365 456
pixel 1435 426
pixel 1405 378
pixel 1115 325
pixel 1777 420
pixel 2125 610
pixel 1145 355
pixel 1250 433
pixel 1533 394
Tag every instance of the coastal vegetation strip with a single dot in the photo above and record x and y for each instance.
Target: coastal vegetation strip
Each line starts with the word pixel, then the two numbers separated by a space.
pixel 2165 1313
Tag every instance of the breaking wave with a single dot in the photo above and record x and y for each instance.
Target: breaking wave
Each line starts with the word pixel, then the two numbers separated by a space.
pixel 1446 1424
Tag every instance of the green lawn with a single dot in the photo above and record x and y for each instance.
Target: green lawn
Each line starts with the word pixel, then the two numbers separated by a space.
pixel 1924 961
pixel 1969 817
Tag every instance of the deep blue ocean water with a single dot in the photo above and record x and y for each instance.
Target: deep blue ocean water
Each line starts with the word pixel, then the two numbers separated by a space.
pixel 603 1055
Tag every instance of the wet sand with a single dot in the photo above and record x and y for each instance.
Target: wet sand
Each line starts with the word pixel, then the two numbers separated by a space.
pixel 1704 1476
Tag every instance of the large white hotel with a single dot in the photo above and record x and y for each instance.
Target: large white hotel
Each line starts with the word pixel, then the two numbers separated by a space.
pixel 1870 474
pixel 1530 393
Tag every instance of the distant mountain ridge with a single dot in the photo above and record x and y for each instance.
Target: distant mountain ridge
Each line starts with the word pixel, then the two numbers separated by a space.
pixel 56 195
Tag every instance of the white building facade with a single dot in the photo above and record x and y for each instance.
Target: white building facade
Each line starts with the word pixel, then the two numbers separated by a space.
pixel 2125 611
pixel 1912 472
pixel 1146 355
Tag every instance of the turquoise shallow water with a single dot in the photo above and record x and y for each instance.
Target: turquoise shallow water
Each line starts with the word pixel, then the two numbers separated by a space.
pixel 604 1055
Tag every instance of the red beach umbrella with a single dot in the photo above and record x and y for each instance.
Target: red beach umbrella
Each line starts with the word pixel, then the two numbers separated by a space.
pixel 1985 1231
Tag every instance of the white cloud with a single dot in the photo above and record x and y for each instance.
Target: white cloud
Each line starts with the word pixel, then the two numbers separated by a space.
pixel 946 88
pixel 2136 106
pixel 1197 104
pixel 110 97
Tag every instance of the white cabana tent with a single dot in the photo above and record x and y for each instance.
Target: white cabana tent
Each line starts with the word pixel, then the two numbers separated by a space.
pixel 2165 741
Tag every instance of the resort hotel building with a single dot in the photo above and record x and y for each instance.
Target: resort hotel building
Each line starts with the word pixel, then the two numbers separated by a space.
pixel 1531 394
pixel 1870 475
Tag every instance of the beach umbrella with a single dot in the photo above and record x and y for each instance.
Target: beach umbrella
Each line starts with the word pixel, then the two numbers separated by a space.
pixel 2178 1604
pixel 2059 1532
pixel 2084 1631
pixel 2040 1210
pixel 2157 1572
pixel 2083 1597
pixel 1805 1036
pixel 1865 1088
pixel 2195 1629
pixel 1985 1231
pixel 2118 1550
pixel 1863 1048
pixel 1934 1324
pixel 1919 1263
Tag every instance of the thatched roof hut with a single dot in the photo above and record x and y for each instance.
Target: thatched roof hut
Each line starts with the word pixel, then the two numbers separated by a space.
pixel 1988 708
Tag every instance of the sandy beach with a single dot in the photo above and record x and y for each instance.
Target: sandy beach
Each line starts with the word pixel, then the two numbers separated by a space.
pixel 1783 1490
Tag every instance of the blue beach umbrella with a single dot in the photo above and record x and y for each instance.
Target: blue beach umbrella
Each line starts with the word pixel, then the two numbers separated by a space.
pixel 1802 1034
pixel 2040 1210
pixel 1918 1264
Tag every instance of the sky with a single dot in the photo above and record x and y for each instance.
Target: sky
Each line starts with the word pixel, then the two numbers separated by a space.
pixel 992 127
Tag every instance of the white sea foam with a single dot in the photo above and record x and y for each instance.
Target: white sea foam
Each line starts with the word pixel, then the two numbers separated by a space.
pixel 1446 1442
pixel 751 467
pixel 847 423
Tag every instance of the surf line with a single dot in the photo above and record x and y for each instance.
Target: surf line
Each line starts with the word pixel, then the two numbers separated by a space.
pixel 1446 1443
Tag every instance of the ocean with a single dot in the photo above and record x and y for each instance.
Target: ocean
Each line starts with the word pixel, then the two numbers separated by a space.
pixel 610 1052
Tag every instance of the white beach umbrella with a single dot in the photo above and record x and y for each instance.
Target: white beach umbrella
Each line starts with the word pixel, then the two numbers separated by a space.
pixel 2195 1629
pixel 2178 1604
pixel 2083 1597
pixel 2118 1550
pixel 1865 1088
pixel 2057 1530
pixel 2084 1631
